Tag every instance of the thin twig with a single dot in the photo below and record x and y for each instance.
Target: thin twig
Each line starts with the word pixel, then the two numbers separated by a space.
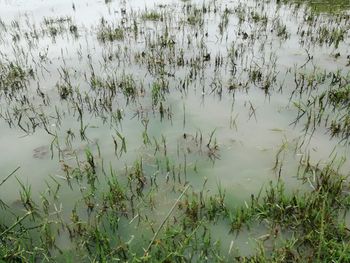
pixel 165 219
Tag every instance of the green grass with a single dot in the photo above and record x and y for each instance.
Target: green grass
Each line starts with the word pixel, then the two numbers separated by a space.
pixel 110 33
pixel 313 220
pixel 13 77
pixel 323 6
pixel 151 16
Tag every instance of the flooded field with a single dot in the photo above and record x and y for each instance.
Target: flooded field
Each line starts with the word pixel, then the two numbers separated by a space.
pixel 174 131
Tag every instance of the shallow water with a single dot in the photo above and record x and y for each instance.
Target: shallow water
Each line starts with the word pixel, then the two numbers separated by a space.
pixel 205 95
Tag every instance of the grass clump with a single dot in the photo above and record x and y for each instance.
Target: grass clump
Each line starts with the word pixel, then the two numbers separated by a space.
pixel 194 16
pixel 13 77
pixel 331 36
pixel 127 85
pixel 314 219
pixel 53 26
pixel 110 33
pixel 152 16
pixel 322 6
pixel 340 97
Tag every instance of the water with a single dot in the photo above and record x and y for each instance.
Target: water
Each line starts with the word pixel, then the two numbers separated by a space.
pixel 249 116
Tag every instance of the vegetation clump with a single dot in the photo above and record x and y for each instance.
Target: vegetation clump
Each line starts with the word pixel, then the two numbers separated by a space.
pixel 110 33
pixel 13 77
pixel 312 224
pixel 152 16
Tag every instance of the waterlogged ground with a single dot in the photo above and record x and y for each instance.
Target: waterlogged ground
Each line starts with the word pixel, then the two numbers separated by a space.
pixel 136 130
